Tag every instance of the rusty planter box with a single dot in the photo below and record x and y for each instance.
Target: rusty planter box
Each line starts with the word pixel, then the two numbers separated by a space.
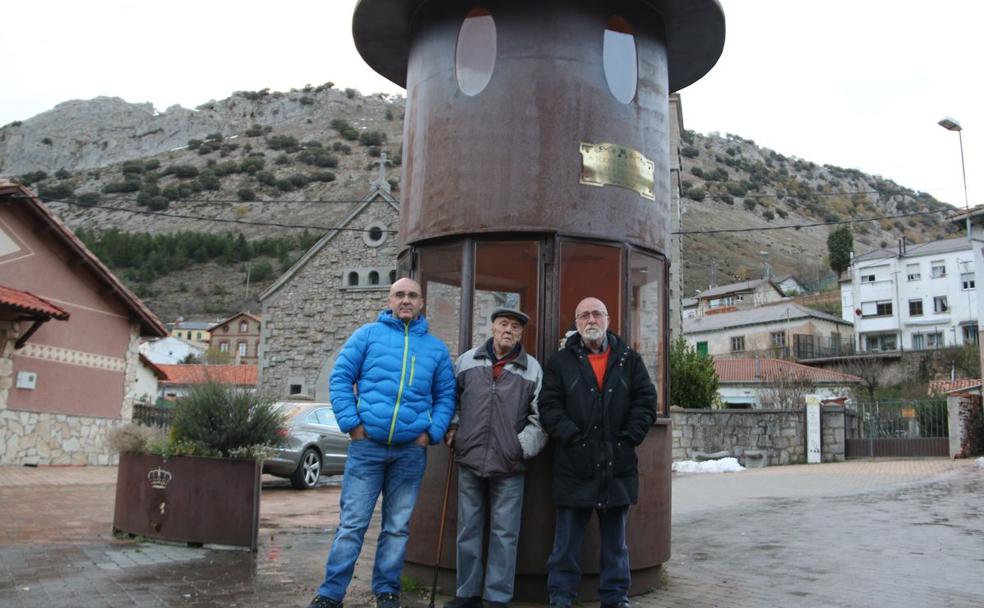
pixel 188 499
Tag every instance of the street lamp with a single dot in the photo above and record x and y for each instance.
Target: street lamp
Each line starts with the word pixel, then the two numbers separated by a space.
pixel 951 124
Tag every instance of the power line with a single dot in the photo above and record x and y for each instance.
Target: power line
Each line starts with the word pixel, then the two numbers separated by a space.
pixel 201 218
pixel 810 225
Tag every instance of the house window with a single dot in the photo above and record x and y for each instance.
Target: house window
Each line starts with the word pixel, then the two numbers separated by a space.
pixel 198 335
pixel 243 327
pixel 918 341
pixel 912 272
pixel 778 339
pixel 474 57
pixel 970 334
pixel 934 340
pixel 373 278
pixel 242 347
pixel 867 278
pixel 225 329
pixel 353 279
pixel 737 344
pixel 880 342
pixel 619 59
pixel 938 269
pixel 223 347
pixel 702 348
pixel 940 305
pixel 718 302
pixel 967 280
pixel 295 389
pixel 915 308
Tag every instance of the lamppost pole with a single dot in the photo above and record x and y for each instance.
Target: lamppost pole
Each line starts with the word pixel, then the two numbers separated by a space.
pixel 951 124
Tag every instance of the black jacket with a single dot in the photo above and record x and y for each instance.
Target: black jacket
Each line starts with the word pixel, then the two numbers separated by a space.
pixel 595 432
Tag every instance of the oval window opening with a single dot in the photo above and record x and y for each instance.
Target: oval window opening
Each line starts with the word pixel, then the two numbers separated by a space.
pixel 474 57
pixel 619 59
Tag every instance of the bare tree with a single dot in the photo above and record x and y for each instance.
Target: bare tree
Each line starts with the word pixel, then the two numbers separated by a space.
pixel 870 370
pixel 785 389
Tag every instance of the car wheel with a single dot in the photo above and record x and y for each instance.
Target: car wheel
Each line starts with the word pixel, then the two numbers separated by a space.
pixel 308 470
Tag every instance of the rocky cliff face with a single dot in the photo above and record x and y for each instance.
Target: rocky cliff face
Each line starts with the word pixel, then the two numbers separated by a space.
pixel 77 134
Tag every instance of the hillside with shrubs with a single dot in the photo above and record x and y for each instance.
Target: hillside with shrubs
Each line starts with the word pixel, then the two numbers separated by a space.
pixel 200 210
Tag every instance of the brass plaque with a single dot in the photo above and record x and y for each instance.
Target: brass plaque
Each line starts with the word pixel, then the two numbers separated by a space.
pixel 614 165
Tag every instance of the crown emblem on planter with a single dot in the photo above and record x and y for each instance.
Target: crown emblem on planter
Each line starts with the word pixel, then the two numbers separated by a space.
pixel 159 478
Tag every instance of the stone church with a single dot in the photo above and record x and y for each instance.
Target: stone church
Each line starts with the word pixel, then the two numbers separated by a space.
pixel 335 287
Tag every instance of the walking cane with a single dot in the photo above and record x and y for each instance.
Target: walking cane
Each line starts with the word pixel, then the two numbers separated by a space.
pixel 440 532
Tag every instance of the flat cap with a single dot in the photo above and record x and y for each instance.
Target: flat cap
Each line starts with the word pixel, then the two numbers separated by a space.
pixel 519 315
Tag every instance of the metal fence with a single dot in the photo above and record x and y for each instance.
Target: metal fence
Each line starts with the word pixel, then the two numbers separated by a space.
pixel 809 346
pixel 152 415
pixel 898 429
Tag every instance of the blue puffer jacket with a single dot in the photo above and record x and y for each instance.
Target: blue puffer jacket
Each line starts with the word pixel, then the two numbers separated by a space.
pixel 405 381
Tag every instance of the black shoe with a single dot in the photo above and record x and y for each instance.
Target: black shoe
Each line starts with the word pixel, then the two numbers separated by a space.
pixel 560 606
pixel 618 605
pixel 497 605
pixel 388 600
pixel 464 602
pixel 321 601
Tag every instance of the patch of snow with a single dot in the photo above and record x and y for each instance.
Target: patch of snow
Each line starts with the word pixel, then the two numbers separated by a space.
pixel 980 462
pixel 723 465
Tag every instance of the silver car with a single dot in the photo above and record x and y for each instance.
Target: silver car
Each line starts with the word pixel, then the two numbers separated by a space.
pixel 313 444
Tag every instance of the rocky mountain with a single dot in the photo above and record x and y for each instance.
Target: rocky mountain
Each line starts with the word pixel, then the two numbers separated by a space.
pixel 266 165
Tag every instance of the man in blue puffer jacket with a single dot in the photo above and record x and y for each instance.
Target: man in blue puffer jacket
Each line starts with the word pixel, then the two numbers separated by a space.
pixel 393 391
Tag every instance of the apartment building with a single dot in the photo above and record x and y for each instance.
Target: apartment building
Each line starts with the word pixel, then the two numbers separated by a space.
pixel 915 297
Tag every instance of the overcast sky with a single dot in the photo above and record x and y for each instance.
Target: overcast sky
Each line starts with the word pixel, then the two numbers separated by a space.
pixel 855 83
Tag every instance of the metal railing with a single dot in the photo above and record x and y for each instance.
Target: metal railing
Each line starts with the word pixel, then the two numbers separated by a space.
pixel 898 429
pixel 810 346
pixel 152 415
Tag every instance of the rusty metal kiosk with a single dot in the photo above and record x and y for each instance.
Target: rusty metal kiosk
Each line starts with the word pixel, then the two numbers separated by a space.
pixel 535 173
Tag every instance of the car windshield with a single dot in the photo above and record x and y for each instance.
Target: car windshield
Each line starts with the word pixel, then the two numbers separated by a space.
pixel 289 410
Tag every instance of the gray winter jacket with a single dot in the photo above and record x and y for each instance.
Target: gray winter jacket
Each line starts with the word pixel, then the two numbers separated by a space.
pixel 498 423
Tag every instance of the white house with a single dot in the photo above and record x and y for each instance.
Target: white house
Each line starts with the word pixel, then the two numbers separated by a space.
pixel 774 383
pixel 919 296
pixel 737 296
pixel 170 350
pixel 780 330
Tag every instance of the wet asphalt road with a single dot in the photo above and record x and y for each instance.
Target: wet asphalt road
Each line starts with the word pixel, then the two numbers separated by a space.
pixel 896 533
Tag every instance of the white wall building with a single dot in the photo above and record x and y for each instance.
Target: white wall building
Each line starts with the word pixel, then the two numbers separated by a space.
pixel 170 350
pixel 914 298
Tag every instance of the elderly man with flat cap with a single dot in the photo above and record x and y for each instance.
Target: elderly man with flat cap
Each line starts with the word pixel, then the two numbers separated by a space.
pixel 497 430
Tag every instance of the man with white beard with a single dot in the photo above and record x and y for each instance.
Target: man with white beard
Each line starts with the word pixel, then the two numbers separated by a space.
pixel 597 404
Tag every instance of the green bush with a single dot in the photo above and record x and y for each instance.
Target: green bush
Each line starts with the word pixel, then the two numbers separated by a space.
pixel 697 171
pixel 246 195
pixel 33 177
pixel 63 174
pixel 88 199
pixel 261 271
pixel 56 192
pixel 690 152
pixel 768 215
pixel 322 176
pixel 693 380
pixel 266 178
pixel 340 147
pixel 350 93
pixel 46 141
pixel 254 131
pixel 749 203
pixel 182 171
pixel 282 160
pixel 306 101
pixel 128 185
pixel 152 165
pixel 350 134
pixel 223 420
pixel 695 194
pixel 133 167
pixel 252 165
pixel 372 138
pixel 286 143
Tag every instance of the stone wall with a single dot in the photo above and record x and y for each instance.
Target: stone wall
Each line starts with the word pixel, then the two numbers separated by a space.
pixel 41 438
pixel 781 434
pixel 309 318
pixel 966 424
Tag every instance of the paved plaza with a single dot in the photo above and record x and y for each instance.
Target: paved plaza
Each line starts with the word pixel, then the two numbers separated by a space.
pixel 900 533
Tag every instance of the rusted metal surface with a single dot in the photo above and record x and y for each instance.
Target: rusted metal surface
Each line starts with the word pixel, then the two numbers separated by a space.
pixel 382 32
pixel 648 531
pixel 188 499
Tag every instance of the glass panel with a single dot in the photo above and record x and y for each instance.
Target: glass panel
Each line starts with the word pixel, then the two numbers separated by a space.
pixel 506 274
pixel 646 314
pixel 474 57
pixel 619 59
pixel 589 270
pixel 440 278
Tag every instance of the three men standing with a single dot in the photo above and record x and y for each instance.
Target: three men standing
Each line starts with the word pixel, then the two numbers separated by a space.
pixel 498 430
pixel 393 390
pixel 597 404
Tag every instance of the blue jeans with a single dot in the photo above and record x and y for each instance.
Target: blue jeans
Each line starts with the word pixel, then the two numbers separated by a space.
pixel 371 468
pixel 563 567
pixel 504 498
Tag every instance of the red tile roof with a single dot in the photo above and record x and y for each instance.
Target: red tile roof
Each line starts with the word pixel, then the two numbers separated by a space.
pixel 18 194
pixel 153 367
pixel 939 387
pixel 761 370
pixel 31 304
pixel 240 375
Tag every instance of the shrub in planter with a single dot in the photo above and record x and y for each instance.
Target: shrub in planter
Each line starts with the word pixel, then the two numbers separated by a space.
pixel 200 483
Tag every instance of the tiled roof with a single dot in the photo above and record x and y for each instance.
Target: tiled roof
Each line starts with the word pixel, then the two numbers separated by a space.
pixel 756 316
pixel 235 316
pixel 153 367
pixel 18 194
pixel 913 250
pixel 762 370
pixel 941 387
pixel 31 304
pixel 240 375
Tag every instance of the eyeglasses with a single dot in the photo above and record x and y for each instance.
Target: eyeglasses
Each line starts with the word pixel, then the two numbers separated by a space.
pixel 400 295
pixel 591 314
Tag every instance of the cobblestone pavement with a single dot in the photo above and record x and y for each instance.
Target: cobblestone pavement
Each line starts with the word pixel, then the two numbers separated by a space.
pixel 904 533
